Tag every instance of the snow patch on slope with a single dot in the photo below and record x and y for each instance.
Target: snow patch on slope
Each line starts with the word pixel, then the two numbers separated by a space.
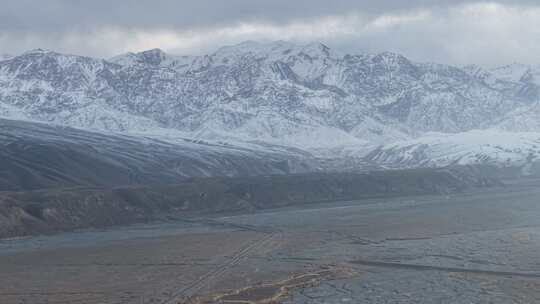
pixel 473 147
pixel 512 72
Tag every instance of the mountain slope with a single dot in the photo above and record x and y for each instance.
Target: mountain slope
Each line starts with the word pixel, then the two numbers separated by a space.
pixel 55 210
pixel 277 92
pixel 296 101
pixel 479 147
pixel 36 156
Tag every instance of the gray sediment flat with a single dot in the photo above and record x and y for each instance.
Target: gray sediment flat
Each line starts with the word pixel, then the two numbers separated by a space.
pixel 480 246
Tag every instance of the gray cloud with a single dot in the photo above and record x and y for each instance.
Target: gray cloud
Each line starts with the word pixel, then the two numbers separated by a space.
pixel 457 32
pixel 57 14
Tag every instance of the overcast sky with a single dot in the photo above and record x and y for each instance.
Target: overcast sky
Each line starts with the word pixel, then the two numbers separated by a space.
pixel 457 32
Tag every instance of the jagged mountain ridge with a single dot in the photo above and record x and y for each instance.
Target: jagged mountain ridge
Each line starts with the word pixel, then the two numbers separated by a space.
pixel 279 92
pixel 349 111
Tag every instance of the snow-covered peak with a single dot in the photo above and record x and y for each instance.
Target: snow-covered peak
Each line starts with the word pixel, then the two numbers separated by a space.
pixel 37 55
pixel 476 70
pixel 512 72
pixel 154 57
pixel 482 74
pixel 247 46
pixel 125 59
pixel 392 61
pixel 316 50
pixel 391 57
pixel 38 51
pixel 253 47
pixel 532 75
pixel 516 72
pixel 273 51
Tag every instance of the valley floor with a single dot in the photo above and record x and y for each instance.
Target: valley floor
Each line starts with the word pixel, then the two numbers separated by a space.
pixel 476 247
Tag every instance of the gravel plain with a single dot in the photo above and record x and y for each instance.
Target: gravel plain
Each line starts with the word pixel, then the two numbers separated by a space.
pixel 481 246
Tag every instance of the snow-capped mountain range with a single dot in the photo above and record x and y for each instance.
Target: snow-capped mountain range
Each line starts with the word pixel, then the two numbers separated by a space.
pixel 377 107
